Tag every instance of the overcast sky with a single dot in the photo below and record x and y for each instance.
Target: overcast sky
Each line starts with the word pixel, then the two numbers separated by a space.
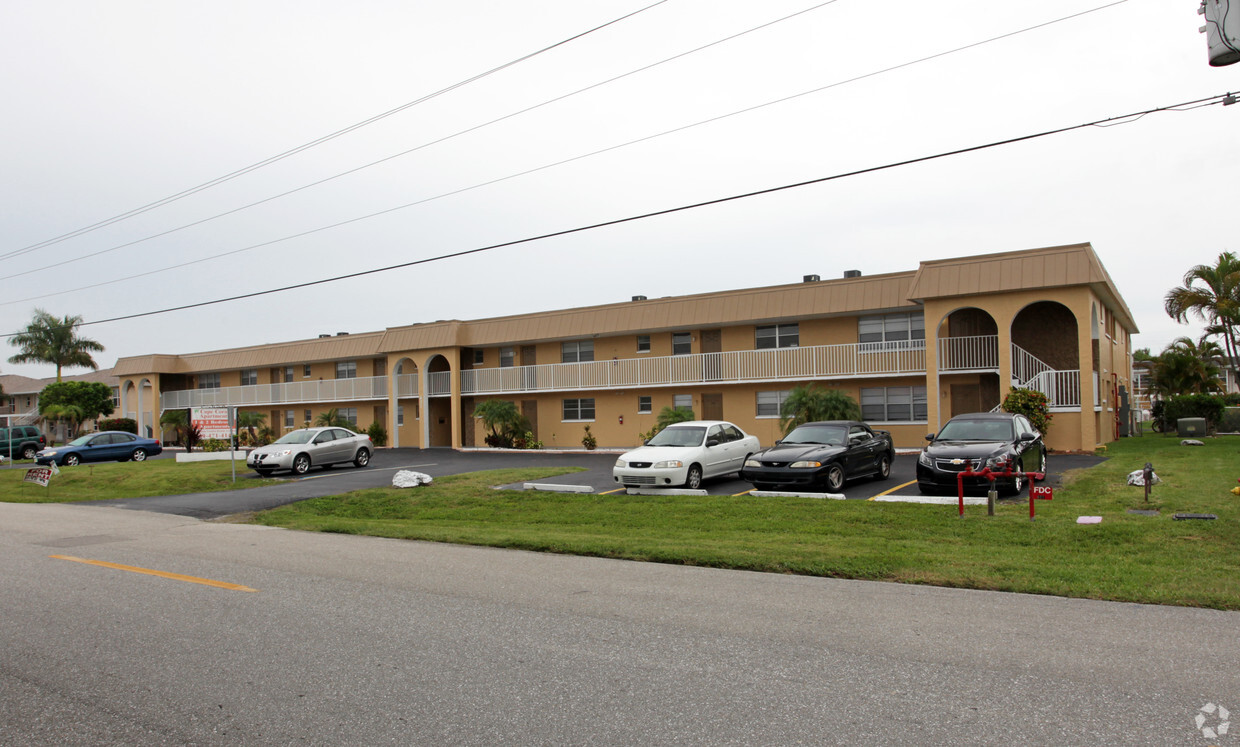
pixel 113 106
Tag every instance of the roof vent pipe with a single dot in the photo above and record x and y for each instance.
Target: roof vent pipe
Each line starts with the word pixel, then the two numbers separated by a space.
pixel 852 273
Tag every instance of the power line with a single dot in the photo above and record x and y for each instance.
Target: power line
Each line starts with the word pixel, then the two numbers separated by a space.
pixel 423 146
pixel 319 141
pixel 1211 100
pixel 562 162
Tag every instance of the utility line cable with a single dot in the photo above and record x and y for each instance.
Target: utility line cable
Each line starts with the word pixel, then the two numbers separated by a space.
pixel 1211 100
pixel 545 167
pixel 281 156
pixel 422 146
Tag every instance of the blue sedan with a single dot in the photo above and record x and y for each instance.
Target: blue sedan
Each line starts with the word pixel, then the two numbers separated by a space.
pixel 106 446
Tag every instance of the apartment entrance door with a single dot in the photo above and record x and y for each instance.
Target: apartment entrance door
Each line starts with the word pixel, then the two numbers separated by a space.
pixel 712 406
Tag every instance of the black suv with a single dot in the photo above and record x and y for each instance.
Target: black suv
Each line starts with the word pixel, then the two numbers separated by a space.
pixel 23 440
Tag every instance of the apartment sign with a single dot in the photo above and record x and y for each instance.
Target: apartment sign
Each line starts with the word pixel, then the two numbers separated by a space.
pixel 211 421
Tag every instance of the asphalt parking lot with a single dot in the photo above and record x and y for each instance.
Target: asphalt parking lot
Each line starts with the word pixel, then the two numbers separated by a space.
pixel 596 478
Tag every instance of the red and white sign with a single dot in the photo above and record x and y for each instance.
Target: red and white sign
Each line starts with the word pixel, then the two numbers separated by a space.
pixel 1041 492
pixel 212 421
pixel 39 475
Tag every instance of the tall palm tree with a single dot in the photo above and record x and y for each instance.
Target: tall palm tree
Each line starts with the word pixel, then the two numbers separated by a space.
pixel 51 339
pixel 1211 293
pixel 1187 367
pixel 809 403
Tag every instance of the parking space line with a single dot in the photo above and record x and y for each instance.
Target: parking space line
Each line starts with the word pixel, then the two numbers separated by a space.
pixel 617 490
pixel 888 492
pixel 747 492
pixel 161 574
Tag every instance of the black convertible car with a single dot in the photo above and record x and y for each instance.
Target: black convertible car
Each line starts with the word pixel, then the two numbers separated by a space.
pixel 818 457
pixel 980 440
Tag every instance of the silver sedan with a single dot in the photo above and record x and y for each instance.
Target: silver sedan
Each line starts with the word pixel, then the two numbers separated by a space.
pixel 304 448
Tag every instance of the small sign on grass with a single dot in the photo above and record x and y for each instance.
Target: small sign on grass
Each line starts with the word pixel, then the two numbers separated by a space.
pixel 38 475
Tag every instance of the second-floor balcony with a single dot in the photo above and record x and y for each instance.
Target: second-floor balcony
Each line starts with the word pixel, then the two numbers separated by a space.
pixel 288 393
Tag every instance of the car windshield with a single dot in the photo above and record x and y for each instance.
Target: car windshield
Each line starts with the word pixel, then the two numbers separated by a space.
pixel 81 440
pixel 829 435
pixel 977 430
pixel 679 436
pixel 296 437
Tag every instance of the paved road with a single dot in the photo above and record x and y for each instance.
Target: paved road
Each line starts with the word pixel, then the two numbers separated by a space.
pixel 356 640
pixel 440 462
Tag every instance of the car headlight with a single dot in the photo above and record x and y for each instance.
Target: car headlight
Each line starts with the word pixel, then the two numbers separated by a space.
pixel 282 452
pixel 620 464
pixel 669 464
pixel 998 461
pixel 924 458
pixel 47 453
pixel 805 464
pixel 752 463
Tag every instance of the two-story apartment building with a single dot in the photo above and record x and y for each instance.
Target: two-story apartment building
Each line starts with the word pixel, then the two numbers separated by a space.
pixel 913 348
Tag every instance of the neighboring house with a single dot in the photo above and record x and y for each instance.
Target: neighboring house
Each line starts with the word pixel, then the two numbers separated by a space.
pixel 913 348
pixel 22 405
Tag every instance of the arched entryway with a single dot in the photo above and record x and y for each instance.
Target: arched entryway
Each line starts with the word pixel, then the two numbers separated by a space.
pixel 404 404
pixel 1045 352
pixel 437 428
pixel 968 362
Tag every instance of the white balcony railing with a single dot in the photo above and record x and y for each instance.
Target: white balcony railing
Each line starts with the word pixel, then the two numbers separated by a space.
pixel 1062 388
pixel 331 390
pixel 977 353
pixel 817 362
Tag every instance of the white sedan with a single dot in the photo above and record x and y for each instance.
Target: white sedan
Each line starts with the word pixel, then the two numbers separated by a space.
pixel 684 454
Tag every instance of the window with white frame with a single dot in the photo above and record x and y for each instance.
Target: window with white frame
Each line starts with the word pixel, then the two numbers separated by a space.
pixel 682 343
pixel 894 404
pixel 288 374
pixel 479 356
pixel 777 336
pixel 682 402
pixel 507 356
pixel 305 371
pixel 643 343
pixel 307 417
pixel 349 414
pixel 346 369
pixel 209 381
pixel 644 404
pixel 579 409
pixel 116 397
pixel 771 403
pixel 249 376
pixel 884 332
pixel 577 351
pixel 400 415
pixel 289 418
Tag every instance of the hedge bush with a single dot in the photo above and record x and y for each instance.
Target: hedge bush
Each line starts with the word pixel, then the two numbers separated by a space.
pixel 129 425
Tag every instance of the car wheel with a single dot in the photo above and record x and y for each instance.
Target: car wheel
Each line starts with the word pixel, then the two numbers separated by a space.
pixel 362 459
pixel 884 467
pixel 301 464
pixel 1015 487
pixel 72 460
pixel 693 478
pixel 835 478
pixel 29 452
pixel 139 455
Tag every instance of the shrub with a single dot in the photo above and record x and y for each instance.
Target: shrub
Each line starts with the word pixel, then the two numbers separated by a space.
pixel 1032 404
pixel 214 444
pixel 1207 406
pixel 129 425
pixel 528 441
pixel 588 440
pixel 377 433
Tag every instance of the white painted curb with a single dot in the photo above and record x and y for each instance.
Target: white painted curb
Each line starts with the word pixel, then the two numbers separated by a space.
pixel 789 494
pixel 663 491
pixel 558 488
pixel 940 500
pixel 210 456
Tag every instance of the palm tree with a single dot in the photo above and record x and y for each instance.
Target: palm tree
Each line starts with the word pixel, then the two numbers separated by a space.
pixel 250 421
pixel 332 419
pixel 1211 293
pixel 71 415
pixel 504 420
pixel 808 403
pixel 1187 367
pixel 51 339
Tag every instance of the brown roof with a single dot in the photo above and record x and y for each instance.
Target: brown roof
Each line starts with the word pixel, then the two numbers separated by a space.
pixel 336 347
pixel 1056 266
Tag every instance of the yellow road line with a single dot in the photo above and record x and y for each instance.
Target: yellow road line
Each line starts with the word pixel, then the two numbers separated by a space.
pixel 888 492
pixel 161 574
pixel 617 490
pixel 747 492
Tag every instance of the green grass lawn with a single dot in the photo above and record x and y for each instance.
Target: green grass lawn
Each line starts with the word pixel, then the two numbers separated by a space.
pixel 1127 557
pixel 111 480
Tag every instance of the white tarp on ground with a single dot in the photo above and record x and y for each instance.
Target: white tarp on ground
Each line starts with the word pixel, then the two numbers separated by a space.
pixel 1137 477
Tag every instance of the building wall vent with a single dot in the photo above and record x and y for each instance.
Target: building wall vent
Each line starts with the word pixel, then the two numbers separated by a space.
pixel 852 273
pixel 810 279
